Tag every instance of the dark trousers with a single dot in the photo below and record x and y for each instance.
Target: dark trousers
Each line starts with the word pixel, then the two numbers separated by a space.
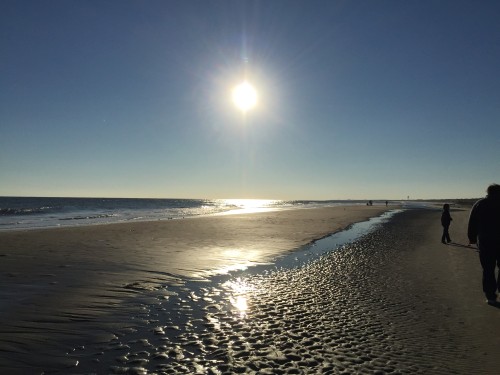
pixel 446 234
pixel 489 255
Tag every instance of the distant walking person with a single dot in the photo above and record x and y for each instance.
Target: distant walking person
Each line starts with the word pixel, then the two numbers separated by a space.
pixel 445 222
pixel 484 229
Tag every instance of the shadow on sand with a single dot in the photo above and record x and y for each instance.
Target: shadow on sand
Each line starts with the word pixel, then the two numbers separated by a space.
pixel 494 304
pixel 464 246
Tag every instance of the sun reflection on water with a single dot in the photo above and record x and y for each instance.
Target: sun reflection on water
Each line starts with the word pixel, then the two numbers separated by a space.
pixel 235 260
pixel 240 302
pixel 238 295
pixel 250 205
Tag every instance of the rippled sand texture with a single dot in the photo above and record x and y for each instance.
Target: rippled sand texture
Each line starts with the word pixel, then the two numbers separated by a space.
pixel 381 305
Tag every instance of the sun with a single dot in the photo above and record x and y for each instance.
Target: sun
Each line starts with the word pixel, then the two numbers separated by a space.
pixel 244 96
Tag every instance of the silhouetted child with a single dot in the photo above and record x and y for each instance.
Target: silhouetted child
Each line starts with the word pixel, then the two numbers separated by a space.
pixel 445 222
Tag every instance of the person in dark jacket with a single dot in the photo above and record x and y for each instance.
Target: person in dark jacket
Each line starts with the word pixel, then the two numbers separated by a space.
pixel 445 222
pixel 484 229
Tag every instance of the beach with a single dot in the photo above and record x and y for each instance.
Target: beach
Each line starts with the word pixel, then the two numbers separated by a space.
pixel 155 297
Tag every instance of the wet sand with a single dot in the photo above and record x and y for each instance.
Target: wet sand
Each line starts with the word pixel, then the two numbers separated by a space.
pixel 396 301
pixel 68 285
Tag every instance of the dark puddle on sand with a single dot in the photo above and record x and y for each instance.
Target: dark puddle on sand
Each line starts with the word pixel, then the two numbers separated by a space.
pixel 231 323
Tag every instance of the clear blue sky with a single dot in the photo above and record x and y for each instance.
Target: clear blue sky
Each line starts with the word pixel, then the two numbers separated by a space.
pixel 357 99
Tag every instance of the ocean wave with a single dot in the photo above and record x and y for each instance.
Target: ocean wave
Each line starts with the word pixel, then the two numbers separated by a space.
pixel 9 223
pixel 24 211
pixel 90 217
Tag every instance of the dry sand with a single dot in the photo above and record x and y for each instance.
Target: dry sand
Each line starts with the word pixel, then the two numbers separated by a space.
pixel 396 301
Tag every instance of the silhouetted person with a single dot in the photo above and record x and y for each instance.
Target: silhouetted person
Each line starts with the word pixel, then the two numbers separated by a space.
pixel 445 222
pixel 386 203
pixel 484 229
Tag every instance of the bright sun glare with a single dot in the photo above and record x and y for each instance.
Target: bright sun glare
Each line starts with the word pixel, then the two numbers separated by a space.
pixel 244 96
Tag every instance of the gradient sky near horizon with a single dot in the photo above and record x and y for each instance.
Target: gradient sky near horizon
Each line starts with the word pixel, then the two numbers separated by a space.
pixel 357 99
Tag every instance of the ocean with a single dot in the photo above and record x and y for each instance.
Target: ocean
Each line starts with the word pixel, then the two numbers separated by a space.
pixel 37 212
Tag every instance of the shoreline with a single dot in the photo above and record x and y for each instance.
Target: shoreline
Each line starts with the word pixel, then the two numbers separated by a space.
pixel 68 214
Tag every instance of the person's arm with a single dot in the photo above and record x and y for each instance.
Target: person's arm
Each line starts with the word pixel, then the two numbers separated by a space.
pixel 472 227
